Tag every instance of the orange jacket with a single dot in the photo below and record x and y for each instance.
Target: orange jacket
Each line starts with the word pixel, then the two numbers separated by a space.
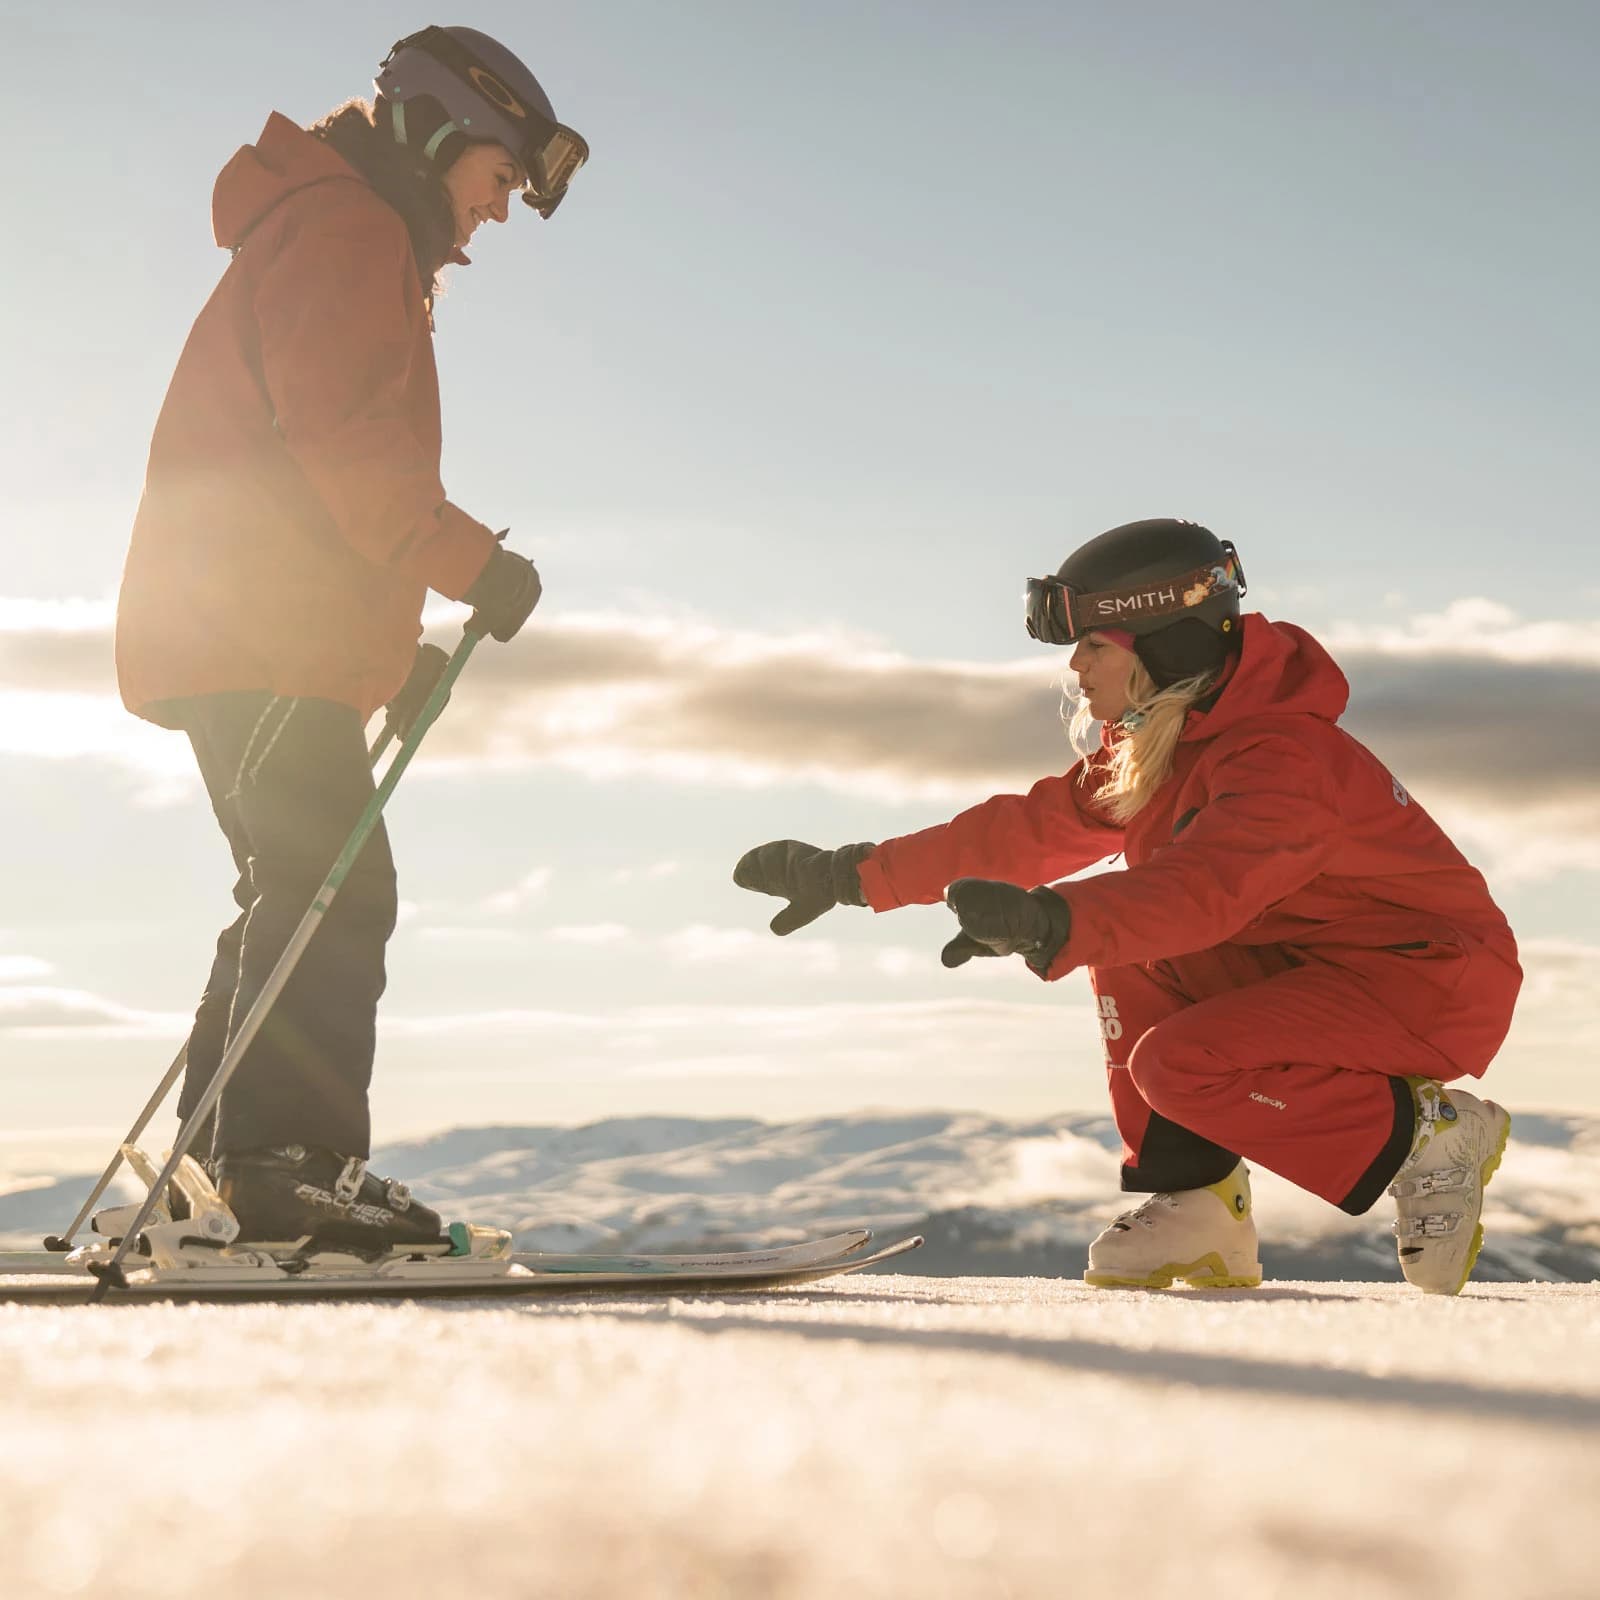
pixel 293 519
pixel 1275 827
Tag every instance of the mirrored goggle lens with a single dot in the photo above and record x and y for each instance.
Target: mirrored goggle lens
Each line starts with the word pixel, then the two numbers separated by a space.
pixel 552 166
pixel 1049 613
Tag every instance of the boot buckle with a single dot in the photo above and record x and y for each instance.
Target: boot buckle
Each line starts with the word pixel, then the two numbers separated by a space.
pixel 348 1184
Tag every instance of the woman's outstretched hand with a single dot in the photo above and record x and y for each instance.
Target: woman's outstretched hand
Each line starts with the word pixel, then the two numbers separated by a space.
pixel 999 919
pixel 812 880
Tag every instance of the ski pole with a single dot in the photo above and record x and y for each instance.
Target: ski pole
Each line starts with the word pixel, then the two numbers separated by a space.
pixel 111 1272
pixel 425 673
pixel 63 1241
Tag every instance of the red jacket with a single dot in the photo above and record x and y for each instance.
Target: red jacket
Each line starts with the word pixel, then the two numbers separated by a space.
pixel 1275 827
pixel 293 518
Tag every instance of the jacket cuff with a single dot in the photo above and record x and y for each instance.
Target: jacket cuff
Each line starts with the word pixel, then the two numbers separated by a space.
pixel 875 888
pixel 1058 910
pixel 846 861
pixel 451 556
pixel 1063 963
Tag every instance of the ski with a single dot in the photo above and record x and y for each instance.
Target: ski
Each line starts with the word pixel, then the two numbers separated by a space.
pixel 187 1247
pixel 418 1277
pixel 780 1257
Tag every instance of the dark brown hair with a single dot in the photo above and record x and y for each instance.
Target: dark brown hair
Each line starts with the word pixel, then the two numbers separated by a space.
pixel 395 173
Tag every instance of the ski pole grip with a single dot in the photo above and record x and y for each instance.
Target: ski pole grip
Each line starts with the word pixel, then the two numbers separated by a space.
pixel 475 625
pixel 426 671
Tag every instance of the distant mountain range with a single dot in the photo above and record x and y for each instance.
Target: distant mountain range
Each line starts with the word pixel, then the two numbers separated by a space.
pixel 993 1197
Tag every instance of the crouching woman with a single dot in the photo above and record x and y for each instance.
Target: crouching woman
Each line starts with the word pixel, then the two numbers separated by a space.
pixel 1297 966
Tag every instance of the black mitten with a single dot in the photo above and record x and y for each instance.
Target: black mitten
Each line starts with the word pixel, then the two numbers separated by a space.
pixel 418 689
pixel 999 919
pixel 503 595
pixel 812 880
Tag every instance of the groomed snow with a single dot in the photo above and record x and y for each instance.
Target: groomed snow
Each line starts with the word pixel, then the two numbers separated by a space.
pixel 878 1436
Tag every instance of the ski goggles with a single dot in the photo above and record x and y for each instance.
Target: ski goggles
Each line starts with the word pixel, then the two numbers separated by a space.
pixel 1058 614
pixel 551 167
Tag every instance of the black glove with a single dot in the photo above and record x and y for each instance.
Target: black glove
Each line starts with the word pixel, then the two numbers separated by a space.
pixel 503 595
pixel 999 919
pixel 426 671
pixel 811 880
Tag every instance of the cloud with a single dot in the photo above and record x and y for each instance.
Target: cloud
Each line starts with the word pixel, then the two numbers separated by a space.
pixel 654 873
pixel 17 969
pixel 1485 716
pixel 901 961
pixel 1555 1035
pixel 614 698
pixel 1489 720
pixel 471 934
pixel 1474 629
pixel 1481 714
pixel 1561 972
pixel 37 1012
pixel 530 887
pixel 939 1027
pixel 702 946
pixel 589 933
pixel 921 1039
pixel 59 646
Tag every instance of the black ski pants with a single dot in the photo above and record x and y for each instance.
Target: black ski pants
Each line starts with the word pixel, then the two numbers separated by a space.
pixel 288 779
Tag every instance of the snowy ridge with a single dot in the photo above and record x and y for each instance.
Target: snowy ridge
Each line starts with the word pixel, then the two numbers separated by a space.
pixel 994 1197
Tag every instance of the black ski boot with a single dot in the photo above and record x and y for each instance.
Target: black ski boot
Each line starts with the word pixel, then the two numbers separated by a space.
pixel 284 1195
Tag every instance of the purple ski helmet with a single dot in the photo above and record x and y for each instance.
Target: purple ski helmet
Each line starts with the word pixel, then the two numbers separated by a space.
pixel 484 92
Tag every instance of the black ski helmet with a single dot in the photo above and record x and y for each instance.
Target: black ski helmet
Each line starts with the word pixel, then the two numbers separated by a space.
pixel 1173 586
pixel 442 87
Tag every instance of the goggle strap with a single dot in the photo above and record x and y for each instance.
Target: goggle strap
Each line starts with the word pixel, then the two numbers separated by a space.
pixel 1168 598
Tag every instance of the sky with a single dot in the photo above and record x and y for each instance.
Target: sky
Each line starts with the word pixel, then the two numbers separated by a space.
pixel 859 316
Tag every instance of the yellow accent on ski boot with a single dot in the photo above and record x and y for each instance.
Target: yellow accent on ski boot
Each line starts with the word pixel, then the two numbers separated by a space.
pixel 1206 1237
pixel 1438 1192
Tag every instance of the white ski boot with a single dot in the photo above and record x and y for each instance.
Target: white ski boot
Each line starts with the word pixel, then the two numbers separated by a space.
pixel 1206 1236
pixel 1438 1193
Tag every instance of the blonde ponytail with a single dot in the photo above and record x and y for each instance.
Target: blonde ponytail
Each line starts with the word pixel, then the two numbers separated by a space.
pixel 1140 761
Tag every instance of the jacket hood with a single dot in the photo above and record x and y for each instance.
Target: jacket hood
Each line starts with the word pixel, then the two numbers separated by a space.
pixel 285 158
pixel 1281 670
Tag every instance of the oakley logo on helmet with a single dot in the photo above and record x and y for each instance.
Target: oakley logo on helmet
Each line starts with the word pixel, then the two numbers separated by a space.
pixel 497 92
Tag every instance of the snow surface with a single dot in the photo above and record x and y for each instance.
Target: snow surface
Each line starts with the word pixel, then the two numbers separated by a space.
pixel 877 1436
pixel 993 1196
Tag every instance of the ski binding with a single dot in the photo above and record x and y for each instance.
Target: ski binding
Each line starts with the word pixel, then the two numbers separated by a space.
pixel 192 1235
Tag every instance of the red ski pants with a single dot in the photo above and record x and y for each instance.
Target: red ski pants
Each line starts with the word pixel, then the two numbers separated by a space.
pixel 1248 1051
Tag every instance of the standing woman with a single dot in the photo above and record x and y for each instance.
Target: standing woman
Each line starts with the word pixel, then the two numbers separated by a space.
pixel 1296 960
pixel 292 523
